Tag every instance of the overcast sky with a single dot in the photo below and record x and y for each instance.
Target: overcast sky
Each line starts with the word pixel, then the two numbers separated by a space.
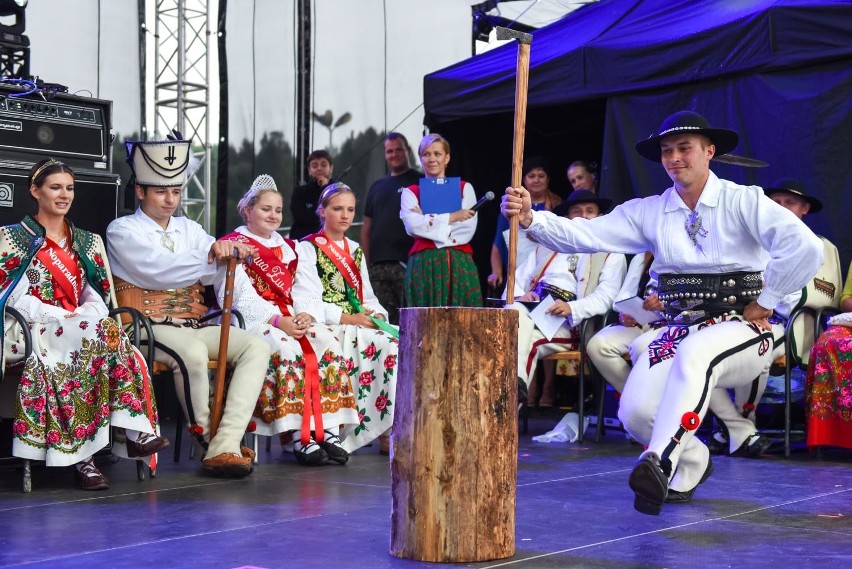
pixel 355 43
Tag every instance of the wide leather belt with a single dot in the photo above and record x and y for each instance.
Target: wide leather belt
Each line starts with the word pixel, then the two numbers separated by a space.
pixel 689 298
pixel 542 289
pixel 186 302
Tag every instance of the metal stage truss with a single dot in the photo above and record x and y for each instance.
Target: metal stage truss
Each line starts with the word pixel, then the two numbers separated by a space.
pixel 182 92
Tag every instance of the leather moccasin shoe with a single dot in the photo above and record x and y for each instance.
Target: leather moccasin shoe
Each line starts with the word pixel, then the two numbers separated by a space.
pixel 247 453
pixel 677 497
pixel 754 446
pixel 650 484
pixel 227 465
pixel 146 445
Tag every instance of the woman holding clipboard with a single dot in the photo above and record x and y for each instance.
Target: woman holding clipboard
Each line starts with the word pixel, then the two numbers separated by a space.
pixel 437 213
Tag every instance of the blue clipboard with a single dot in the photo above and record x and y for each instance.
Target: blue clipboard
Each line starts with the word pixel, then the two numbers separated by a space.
pixel 440 195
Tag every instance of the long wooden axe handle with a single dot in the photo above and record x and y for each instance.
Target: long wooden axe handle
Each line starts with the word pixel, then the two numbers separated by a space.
pixel 522 77
pixel 222 358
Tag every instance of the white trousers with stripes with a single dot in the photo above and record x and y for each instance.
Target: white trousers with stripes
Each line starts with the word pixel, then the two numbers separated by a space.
pixel 670 386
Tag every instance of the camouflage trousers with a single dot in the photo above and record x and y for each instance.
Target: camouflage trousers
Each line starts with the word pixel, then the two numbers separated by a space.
pixel 388 281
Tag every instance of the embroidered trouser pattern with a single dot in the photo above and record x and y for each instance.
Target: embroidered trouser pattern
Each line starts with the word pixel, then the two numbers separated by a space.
pixel 669 389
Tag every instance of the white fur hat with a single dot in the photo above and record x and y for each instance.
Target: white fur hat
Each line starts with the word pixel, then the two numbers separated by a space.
pixel 160 163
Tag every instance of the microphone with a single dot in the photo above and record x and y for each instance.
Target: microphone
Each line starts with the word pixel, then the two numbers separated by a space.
pixel 486 198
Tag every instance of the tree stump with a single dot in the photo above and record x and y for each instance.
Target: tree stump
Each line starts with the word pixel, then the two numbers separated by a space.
pixel 455 435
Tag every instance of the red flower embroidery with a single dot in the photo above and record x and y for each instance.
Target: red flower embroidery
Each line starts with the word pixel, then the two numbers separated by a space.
pixel 390 361
pixel 80 432
pixel 12 263
pixel 52 437
pixel 136 405
pixel 91 429
pixel 126 398
pixel 105 285
pixel 366 378
pixel 20 427
pixel 381 402
pixel 98 260
pixel 370 351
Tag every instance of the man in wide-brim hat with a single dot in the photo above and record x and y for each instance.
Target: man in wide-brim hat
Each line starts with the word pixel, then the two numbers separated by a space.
pixel 725 256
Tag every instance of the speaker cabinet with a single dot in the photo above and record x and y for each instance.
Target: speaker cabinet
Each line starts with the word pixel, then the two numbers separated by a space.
pixel 95 196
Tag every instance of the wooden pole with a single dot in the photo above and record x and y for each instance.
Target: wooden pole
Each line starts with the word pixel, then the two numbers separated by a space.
pixel 521 90
pixel 222 358
pixel 455 436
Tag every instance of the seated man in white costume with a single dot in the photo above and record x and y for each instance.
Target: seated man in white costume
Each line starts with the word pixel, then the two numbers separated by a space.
pixel 583 285
pixel 160 263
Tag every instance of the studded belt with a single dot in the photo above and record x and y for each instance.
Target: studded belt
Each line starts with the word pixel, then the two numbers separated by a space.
pixel 542 289
pixel 689 298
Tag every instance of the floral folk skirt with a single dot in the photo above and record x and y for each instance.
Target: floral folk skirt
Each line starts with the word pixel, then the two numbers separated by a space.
pixel 828 389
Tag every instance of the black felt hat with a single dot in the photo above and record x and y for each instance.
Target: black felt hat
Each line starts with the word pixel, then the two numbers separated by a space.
pixel 582 196
pixel 687 122
pixel 795 187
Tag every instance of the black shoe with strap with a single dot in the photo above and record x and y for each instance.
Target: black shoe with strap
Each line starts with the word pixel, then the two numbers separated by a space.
pixel 650 484
pixel 332 447
pixel 677 497
pixel 754 446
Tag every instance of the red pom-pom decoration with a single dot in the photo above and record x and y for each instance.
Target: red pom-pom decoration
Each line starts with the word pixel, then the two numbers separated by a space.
pixel 690 421
pixel 748 407
pixel 196 430
pixel 252 427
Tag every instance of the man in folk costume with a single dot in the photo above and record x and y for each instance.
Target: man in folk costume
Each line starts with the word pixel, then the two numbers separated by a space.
pixel 710 240
pixel 582 285
pixel 160 263
pixel 740 436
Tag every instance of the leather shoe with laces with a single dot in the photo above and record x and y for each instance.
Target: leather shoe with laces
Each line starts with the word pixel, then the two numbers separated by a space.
pixel 89 477
pixel 650 485
pixel 332 447
pixel 227 465
pixel 754 446
pixel 677 497
pixel 146 445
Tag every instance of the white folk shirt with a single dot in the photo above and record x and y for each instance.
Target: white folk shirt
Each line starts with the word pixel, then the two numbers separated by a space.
pixel 740 226
pixel 256 310
pixel 137 254
pixel 437 226
pixel 308 283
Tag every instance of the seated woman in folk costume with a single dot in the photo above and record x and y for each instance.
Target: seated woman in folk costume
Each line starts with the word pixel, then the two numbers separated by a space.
pixel 307 387
pixel 332 266
pixel 83 375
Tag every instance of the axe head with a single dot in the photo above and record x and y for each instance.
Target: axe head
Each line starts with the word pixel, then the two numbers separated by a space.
pixel 509 34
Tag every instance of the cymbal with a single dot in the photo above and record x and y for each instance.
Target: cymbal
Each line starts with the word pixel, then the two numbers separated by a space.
pixel 741 161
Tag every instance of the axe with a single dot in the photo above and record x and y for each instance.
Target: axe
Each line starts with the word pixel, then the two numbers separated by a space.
pixel 522 75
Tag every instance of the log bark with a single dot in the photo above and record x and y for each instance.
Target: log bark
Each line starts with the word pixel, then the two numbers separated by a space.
pixel 455 435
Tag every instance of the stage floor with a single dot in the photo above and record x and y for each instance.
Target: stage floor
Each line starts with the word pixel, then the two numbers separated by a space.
pixel 574 509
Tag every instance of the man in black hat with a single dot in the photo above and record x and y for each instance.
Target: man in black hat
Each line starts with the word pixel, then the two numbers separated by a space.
pixel 582 286
pixel 740 436
pixel 725 256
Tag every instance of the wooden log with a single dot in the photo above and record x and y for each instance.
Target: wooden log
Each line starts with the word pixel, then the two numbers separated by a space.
pixel 455 435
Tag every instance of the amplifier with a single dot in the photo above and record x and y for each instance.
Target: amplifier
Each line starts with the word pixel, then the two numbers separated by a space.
pixel 75 130
pixel 95 196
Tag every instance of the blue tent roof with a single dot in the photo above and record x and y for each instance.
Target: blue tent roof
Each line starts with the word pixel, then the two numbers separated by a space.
pixel 618 46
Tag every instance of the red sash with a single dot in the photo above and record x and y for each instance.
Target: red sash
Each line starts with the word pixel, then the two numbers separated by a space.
pixel 65 272
pixel 277 276
pixel 421 243
pixel 341 258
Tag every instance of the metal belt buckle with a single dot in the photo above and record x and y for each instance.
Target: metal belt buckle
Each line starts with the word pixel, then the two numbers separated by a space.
pixel 689 317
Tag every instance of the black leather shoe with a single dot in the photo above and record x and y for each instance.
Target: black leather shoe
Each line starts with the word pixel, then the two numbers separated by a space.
pixel 754 446
pixel 718 444
pixel 676 497
pixel 335 452
pixel 650 484
pixel 316 457
pixel 146 445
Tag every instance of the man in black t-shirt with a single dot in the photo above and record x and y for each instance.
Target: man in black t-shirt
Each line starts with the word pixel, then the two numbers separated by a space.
pixel 303 205
pixel 383 237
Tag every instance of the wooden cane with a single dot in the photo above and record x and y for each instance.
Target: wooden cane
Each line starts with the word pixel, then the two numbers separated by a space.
pixel 521 89
pixel 222 359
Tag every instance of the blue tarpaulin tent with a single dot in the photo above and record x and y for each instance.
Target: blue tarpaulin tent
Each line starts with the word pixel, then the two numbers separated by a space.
pixel 777 71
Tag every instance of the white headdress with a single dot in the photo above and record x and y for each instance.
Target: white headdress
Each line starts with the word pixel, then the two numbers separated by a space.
pixel 262 182
pixel 160 163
